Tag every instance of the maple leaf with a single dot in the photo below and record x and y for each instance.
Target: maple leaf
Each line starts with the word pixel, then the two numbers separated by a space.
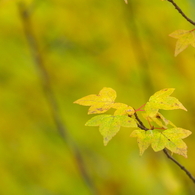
pixel 162 100
pixel 144 139
pixel 122 109
pixel 99 103
pixel 109 125
pixel 170 139
pixel 185 38
pixel 159 119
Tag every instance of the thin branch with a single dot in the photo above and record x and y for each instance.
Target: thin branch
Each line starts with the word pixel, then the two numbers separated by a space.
pixel 138 48
pixel 181 12
pixel 141 126
pixel 39 63
pixel 52 102
pixel 178 164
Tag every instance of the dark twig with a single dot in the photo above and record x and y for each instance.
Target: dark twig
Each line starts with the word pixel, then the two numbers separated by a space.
pixel 39 63
pixel 47 86
pixel 181 12
pixel 139 53
pixel 177 163
pixel 141 126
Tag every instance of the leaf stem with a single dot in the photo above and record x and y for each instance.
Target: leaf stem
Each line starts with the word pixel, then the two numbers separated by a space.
pixel 139 109
pixel 162 128
pixel 181 12
pixel 178 164
pixel 192 30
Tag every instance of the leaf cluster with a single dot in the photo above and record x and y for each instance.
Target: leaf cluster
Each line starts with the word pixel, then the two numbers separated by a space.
pixel 161 132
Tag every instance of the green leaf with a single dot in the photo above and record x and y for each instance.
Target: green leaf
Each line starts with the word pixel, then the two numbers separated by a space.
pixel 185 38
pixel 99 103
pixel 162 100
pixel 109 125
pixel 170 139
pixel 144 139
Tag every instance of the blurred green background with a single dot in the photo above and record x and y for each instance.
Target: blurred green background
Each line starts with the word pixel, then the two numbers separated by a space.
pixel 87 45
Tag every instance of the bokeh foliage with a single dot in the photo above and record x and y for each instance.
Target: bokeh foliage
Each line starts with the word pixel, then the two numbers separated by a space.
pixel 88 45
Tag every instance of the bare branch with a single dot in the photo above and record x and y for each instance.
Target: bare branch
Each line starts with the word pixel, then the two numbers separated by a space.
pixel 181 12
pixel 52 102
pixel 140 124
pixel 178 164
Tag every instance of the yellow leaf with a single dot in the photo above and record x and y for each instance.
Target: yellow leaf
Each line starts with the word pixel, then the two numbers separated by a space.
pixel 185 38
pixel 159 119
pixel 175 143
pixel 162 100
pixel 99 103
pixel 178 33
pixel 122 109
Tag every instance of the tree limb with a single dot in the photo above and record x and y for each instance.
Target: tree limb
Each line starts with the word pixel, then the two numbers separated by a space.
pixel 181 12
pixel 178 164
pixel 52 102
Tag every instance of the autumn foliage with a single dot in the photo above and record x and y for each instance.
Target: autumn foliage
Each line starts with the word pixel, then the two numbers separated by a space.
pixel 185 38
pixel 161 134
